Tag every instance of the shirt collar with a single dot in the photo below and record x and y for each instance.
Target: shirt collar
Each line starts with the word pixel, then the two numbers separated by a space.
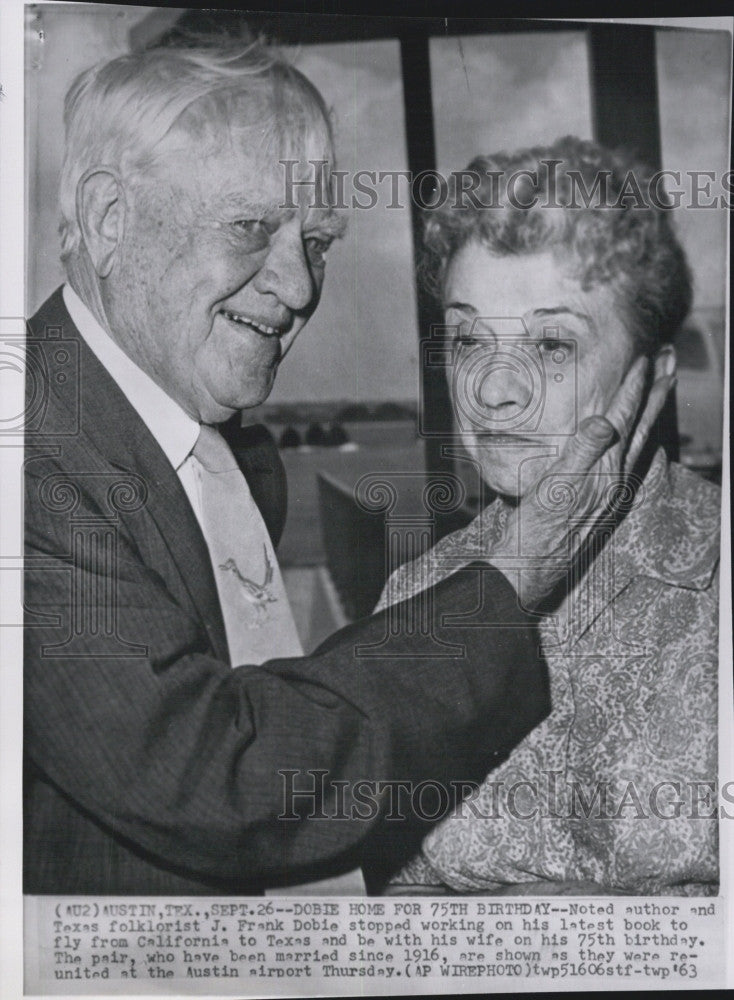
pixel 174 430
pixel 671 534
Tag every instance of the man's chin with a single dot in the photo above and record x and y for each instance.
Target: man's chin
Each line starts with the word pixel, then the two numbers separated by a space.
pixel 214 413
pixel 221 403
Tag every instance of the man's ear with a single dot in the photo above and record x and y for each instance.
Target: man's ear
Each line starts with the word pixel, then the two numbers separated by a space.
pixel 100 215
pixel 664 362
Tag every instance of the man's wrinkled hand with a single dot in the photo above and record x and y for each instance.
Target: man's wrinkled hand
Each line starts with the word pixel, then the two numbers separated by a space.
pixel 545 531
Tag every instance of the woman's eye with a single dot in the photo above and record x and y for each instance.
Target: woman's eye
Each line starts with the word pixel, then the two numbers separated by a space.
pixel 559 350
pixel 462 335
pixel 465 336
pixel 459 328
pixel 473 334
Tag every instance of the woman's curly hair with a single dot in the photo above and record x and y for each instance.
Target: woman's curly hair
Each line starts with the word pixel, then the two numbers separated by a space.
pixel 602 212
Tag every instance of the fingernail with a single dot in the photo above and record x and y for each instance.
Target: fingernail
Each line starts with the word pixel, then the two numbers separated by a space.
pixel 598 428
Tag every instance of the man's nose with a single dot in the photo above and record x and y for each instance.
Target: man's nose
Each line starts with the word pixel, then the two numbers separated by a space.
pixel 285 272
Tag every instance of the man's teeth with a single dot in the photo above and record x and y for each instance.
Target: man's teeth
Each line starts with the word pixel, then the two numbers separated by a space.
pixel 269 331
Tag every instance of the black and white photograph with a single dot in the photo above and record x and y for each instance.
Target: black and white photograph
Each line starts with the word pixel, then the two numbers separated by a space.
pixel 365 419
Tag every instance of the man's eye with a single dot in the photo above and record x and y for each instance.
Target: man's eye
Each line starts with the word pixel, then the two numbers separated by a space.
pixel 254 231
pixel 250 225
pixel 316 248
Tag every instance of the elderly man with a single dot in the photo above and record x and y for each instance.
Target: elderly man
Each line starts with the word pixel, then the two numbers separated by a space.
pixel 165 687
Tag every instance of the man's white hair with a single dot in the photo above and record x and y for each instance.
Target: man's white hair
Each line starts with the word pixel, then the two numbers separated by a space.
pixel 118 111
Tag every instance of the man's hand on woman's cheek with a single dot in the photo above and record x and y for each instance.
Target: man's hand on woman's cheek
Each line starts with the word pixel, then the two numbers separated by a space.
pixel 535 542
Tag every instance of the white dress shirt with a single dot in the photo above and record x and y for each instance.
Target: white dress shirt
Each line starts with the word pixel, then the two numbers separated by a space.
pixel 174 430
pixel 177 433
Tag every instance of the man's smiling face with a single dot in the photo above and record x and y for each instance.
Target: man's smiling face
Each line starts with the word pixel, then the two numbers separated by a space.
pixel 535 355
pixel 212 280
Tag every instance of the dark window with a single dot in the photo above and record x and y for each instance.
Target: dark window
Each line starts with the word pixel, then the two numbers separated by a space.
pixel 691 349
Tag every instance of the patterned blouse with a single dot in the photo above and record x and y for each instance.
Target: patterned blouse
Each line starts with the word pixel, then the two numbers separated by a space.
pixel 616 789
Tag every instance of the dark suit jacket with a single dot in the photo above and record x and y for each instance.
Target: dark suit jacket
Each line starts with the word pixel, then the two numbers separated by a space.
pixel 152 766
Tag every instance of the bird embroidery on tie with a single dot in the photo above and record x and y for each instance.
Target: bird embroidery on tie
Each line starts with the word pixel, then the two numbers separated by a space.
pixel 257 594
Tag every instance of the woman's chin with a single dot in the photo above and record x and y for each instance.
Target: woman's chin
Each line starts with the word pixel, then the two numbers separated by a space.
pixel 506 487
pixel 511 480
pixel 498 474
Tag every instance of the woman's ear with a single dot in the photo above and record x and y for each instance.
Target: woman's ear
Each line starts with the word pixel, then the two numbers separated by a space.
pixel 100 215
pixel 664 362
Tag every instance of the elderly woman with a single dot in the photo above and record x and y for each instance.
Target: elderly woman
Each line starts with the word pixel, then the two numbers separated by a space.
pixel 550 297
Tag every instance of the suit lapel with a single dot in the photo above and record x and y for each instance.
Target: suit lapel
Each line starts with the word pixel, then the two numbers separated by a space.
pixel 112 425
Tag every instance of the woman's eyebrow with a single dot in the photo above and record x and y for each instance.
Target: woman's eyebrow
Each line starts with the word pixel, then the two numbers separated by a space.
pixel 466 306
pixel 558 310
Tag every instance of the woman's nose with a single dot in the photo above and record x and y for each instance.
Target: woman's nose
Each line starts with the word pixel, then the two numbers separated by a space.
pixel 504 382
pixel 285 272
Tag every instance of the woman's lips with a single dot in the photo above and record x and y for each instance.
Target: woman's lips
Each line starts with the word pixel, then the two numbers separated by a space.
pixel 495 437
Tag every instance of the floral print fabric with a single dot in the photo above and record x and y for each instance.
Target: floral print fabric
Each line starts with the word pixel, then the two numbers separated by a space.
pixel 617 787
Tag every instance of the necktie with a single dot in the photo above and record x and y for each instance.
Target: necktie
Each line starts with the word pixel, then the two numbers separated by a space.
pixel 257 615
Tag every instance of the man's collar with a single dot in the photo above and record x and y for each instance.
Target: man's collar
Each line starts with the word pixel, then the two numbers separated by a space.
pixel 174 430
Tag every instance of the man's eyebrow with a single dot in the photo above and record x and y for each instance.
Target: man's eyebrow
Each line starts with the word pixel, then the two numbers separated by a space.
pixel 329 224
pixel 245 209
